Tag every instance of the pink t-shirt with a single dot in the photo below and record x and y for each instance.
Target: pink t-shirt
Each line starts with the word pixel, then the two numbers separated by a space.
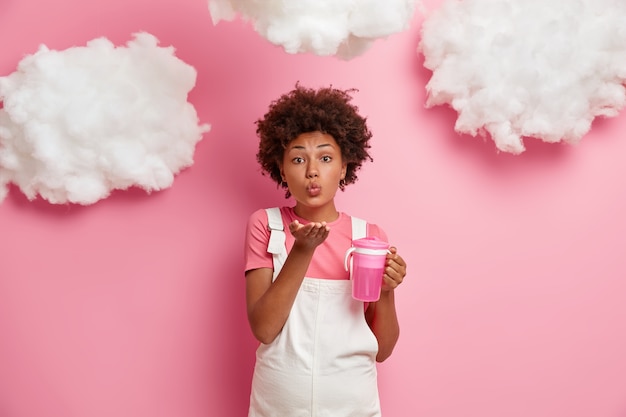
pixel 328 261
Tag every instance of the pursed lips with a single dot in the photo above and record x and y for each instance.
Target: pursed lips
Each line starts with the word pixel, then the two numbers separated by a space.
pixel 313 189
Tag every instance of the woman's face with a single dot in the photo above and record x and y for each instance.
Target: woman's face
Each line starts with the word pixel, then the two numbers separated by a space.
pixel 312 167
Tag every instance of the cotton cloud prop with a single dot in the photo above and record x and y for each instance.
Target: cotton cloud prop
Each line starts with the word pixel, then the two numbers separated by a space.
pixel 345 28
pixel 82 122
pixel 527 68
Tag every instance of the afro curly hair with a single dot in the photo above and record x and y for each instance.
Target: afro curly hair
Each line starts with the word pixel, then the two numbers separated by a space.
pixel 303 110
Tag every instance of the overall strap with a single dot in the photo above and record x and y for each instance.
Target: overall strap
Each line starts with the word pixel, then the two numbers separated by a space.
pixel 276 245
pixel 359 228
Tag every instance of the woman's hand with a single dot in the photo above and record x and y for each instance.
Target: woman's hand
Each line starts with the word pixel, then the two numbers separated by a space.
pixel 310 235
pixel 395 271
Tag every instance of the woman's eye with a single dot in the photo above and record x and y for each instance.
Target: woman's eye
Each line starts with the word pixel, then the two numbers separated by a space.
pixel 326 158
pixel 298 160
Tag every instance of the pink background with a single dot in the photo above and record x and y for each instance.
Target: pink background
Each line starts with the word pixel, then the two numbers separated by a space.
pixel 515 301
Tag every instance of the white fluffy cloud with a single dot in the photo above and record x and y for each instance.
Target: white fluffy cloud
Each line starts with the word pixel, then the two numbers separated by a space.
pixel 345 28
pixel 527 68
pixel 84 121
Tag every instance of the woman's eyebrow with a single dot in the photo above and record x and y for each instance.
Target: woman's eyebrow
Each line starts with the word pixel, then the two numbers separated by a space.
pixel 323 145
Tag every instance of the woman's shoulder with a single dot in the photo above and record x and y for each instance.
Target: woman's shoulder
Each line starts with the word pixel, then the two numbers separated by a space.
pixel 376 230
pixel 373 229
pixel 260 216
pixel 257 215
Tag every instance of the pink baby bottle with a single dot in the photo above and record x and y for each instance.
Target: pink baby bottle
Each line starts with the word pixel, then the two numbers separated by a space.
pixel 366 261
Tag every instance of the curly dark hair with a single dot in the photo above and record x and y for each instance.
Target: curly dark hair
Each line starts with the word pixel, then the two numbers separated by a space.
pixel 304 110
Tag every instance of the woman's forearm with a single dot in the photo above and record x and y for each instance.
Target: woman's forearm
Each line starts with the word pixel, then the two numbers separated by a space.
pixel 383 320
pixel 268 314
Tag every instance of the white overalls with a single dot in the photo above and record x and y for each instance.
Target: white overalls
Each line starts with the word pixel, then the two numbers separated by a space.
pixel 323 362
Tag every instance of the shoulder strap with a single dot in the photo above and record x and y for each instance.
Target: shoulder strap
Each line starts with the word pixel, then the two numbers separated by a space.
pixel 276 243
pixel 276 228
pixel 359 228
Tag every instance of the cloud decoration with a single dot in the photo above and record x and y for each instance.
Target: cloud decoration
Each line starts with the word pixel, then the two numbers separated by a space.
pixel 79 123
pixel 344 28
pixel 526 68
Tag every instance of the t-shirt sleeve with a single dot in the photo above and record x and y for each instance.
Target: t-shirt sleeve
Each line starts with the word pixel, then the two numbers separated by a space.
pixel 377 231
pixel 257 238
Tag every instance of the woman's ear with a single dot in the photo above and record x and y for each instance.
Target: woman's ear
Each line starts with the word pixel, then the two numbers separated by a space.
pixel 344 169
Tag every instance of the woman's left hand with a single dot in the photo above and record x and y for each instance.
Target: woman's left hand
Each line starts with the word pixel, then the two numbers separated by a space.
pixel 395 271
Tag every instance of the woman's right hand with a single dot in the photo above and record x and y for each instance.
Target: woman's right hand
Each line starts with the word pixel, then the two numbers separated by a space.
pixel 309 235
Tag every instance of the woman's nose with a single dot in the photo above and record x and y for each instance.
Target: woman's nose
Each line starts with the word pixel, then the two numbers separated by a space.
pixel 311 171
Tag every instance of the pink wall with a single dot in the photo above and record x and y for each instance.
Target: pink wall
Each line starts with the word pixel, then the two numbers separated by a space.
pixel 515 302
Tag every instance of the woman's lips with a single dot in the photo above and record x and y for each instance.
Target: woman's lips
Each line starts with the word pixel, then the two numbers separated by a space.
pixel 314 190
